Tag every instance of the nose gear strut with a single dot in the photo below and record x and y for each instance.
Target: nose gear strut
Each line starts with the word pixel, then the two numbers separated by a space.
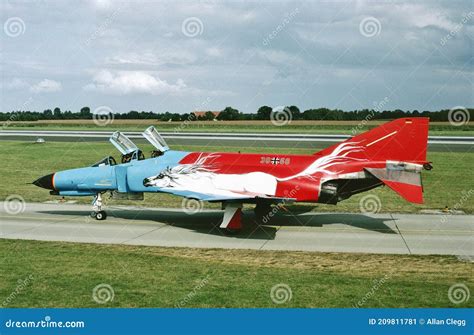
pixel 97 211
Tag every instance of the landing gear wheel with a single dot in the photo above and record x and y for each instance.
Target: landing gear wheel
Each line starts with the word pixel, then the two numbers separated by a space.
pixel 101 215
pixel 97 211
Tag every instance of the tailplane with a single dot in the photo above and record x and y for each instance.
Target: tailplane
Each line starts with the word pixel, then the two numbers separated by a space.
pixel 399 147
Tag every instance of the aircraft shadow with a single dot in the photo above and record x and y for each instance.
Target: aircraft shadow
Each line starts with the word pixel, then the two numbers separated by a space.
pixel 208 222
pixel 326 219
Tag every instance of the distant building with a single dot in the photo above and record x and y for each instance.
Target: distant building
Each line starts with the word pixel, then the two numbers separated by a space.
pixel 203 113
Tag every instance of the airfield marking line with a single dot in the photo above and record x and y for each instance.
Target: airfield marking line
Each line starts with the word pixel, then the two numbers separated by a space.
pixel 140 235
pixel 268 239
pixel 400 233
pixel 462 140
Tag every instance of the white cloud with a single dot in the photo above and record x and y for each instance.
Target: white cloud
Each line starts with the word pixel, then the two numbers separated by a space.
pixel 214 52
pixel 46 86
pixel 149 58
pixel 423 16
pixel 101 4
pixel 128 82
pixel 16 84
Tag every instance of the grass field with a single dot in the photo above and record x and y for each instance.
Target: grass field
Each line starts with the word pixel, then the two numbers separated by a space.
pixel 52 274
pixel 445 185
pixel 300 127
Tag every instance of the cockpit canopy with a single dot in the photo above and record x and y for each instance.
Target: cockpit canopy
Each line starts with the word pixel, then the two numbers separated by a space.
pixel 131 152
pixel 152 135
pixel 109 160
pixel 123 143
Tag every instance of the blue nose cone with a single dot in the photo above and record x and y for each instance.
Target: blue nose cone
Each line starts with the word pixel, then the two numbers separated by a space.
pixel 46 182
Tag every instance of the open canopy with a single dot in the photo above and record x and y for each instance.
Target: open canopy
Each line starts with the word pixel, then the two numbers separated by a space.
pixel 123 143
pixel 152 135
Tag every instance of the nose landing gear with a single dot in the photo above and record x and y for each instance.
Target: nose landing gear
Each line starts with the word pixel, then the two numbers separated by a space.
pixel 97 211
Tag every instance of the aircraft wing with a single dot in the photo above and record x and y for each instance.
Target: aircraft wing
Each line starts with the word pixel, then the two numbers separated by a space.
pixel 219 198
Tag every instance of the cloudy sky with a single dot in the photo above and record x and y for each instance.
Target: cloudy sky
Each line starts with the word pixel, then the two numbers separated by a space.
pixel 205 55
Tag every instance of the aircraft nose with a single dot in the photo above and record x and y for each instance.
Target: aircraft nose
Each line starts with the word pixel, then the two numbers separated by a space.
pixel 45 182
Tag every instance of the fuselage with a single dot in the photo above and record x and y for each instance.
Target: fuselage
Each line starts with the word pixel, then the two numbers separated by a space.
pixel 299 177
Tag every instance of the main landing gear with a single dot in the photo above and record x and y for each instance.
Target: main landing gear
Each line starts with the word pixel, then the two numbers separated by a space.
pixel 232 221
pixel 97 211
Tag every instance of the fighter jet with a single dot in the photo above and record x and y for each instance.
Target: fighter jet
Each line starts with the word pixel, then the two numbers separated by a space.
pixel 393 154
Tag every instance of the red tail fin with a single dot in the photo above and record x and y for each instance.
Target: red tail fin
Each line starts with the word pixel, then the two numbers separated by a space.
pixel 401 146
pixel 402 140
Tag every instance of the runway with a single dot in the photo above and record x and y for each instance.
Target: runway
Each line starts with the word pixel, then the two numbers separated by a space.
pixel 313 141
pixel 324 232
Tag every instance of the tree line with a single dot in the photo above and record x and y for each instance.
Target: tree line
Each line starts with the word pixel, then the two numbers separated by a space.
pixel 229 113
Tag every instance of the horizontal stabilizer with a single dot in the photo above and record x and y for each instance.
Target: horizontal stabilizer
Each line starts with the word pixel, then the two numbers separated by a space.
pixel 405 183
pixel 412 193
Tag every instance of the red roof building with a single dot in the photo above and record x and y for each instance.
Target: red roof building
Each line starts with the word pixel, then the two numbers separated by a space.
pixel 203 113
